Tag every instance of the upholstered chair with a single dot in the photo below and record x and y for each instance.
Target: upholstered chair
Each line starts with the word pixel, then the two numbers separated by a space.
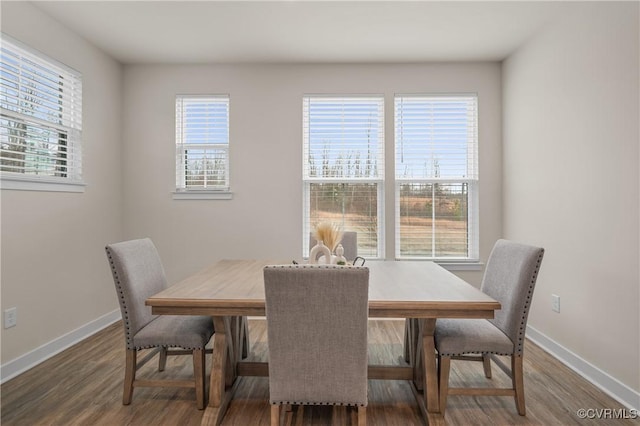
pixel 510 277
pixel 138 274
pixel 349 243
pixel 317 336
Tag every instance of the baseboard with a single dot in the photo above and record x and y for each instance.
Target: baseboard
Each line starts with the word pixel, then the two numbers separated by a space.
pixel 605 382
pixel 32 358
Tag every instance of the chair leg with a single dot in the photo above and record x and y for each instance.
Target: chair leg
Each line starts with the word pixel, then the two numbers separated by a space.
pixel 486 364
pixel 517 376
pixel 129 376
pixel 362 415
pixel 199 374
pixel 444 366
pixel 162 360
pixel 275 415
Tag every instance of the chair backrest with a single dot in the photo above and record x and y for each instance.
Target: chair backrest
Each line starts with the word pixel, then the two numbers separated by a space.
pixel 349 243
pixel 510 277
pixel 317 334
pixel 137 274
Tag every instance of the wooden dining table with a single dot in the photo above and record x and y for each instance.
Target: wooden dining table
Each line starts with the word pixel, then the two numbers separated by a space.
pixel 231 290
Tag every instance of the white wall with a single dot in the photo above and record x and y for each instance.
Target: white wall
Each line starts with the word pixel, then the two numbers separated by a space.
pixel 264 218
pixel 54 269
pixel 571 163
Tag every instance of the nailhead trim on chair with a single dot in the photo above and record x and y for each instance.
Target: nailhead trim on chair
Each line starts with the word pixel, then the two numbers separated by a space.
pixel 314 265
pixel 519 347
pixel 123 306
pixel 475 353
pixel 169 346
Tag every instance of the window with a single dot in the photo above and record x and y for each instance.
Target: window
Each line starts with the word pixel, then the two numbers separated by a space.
pixel 343 167
pixel 40 122
pixel 202 143
pixel 436 143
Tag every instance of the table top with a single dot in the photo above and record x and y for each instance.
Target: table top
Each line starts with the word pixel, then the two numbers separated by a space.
pixel 406 289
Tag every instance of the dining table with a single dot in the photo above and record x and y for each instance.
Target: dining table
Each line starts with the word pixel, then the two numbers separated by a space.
pixel 420 292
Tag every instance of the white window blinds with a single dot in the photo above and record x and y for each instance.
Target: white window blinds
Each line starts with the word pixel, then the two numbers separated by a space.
pixel 344 137
pixel 343 167
pixel 436 142
pixel 41 116
pixel 202 143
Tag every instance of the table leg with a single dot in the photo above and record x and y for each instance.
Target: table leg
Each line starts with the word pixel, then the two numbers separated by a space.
pixel 416 360
pixel 244 336
pixel 224 380
pixel 232 342
pixel 410 340
pixel 428 326
pixel 218 367
pixel 240 331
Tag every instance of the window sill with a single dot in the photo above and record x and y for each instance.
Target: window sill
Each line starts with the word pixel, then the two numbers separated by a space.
pixel 462 266
pixel 202 195
pixel 452 265
pixel 27 184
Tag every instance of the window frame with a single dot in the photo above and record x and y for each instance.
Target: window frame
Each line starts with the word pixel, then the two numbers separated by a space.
pixel 379 180
pixel 65 94
pixel 213 192
pixel 472 183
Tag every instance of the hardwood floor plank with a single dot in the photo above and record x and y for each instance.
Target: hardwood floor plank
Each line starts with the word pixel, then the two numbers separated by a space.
pixel 83 386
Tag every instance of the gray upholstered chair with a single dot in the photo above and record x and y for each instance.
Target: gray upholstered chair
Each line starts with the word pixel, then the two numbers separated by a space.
pixel 510 278
pixel 317 336
pixel 138 274
pixel 349 243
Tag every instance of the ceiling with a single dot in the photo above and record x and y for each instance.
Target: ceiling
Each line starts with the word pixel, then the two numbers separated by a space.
pixel 135 32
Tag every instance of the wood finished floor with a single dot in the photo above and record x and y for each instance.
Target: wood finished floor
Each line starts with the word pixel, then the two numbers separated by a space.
pixel 83 386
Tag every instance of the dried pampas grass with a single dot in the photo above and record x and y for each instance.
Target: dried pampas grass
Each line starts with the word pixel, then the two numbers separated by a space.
pixel 329 233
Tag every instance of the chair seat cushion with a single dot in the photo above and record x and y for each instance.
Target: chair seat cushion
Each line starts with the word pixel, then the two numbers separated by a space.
pixel 469 336
pixel 188 332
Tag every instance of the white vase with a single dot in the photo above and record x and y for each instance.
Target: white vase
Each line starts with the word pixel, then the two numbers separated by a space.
pixel 319 248
pixel 322 260
pixel 339 257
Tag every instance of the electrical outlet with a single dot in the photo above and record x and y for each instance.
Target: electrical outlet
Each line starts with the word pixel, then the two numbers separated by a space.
pixel 10 317
pixel 555 303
